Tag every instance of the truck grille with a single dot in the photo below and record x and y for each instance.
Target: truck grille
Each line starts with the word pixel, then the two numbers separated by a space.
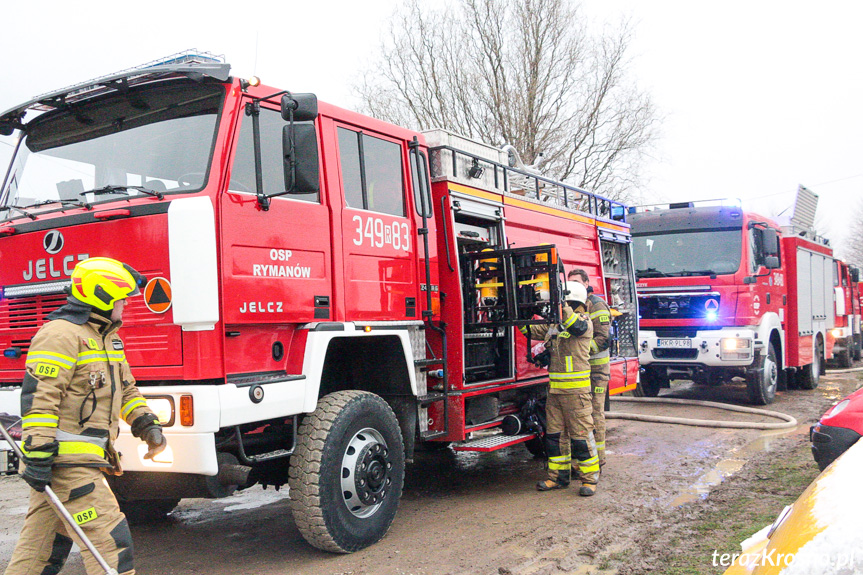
pixel 28 312
pixel 674 353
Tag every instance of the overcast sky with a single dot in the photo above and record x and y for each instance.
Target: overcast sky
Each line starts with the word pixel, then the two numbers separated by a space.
pixel 757 96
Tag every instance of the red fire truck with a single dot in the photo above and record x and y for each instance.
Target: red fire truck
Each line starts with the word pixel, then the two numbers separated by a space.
pixel 846 335
pixel 325 290
pixel 725 293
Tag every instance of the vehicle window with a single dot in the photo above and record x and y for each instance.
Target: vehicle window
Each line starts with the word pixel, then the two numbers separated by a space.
pixel 160 138
pixel 371 173
pixel 352 180
pixel 272 161
pixel 687 252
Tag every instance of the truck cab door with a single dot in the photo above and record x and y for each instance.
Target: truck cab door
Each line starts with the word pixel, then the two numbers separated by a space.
pixel 276 266
pixel 379 239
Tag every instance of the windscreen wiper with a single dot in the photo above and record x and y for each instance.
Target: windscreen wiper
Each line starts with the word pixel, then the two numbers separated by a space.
pixel 124 191
pixel 650 273
pixel 64 202
pixel 19 210
pixel 687 273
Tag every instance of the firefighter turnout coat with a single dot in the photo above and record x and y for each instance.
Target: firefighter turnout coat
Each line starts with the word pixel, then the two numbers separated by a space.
pixel 77 387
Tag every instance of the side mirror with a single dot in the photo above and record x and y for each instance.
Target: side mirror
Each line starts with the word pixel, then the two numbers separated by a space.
pixel 303 106
pixel 770 242
pixel 771 262
pixel 300 150
pixel 855 274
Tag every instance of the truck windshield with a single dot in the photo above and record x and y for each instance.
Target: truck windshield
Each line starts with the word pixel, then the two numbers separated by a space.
pixel 157 139
pixel 687 252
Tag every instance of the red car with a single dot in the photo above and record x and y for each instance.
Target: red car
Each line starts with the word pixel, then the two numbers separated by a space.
pixel 839 428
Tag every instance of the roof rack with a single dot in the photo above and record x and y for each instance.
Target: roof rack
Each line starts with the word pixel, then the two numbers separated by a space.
pixel 462 160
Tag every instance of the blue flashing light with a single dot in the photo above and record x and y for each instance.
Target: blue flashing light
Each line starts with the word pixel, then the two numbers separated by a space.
pixel 712 315
pixel 12 352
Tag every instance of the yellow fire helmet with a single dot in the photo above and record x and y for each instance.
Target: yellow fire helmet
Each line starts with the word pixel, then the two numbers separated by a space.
pixel 99 282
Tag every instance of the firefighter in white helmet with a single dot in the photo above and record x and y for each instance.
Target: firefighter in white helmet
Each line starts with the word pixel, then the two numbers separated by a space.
pixel 568 406
pixel 76 388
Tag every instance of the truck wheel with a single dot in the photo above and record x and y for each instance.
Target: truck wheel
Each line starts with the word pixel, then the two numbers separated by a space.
pixel 761 380
pixel 648 384
pixel 347 472
pixel 843 359
pixel 808 375
pixel 145 511
pixel 858 347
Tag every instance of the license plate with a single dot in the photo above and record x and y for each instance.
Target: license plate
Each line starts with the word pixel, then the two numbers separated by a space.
pixel 674 343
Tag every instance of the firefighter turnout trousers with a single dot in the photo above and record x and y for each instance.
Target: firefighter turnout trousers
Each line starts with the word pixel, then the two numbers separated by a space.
pixel 599 378
pixel 45 541
pixel 600 368
pixel 567 437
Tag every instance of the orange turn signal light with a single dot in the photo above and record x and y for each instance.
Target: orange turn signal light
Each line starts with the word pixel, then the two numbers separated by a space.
pixel 187 411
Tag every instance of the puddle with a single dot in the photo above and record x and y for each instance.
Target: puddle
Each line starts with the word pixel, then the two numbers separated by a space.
pixel 730 465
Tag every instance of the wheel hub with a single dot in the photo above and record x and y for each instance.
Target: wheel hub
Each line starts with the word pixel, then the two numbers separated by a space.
pixel 366 467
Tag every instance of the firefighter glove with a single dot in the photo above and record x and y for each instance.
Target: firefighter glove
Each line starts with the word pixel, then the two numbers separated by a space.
pixel 155 441
pixel 37 464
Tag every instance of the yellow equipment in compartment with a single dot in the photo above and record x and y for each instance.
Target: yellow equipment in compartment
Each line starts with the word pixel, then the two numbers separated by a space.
pixel 488 290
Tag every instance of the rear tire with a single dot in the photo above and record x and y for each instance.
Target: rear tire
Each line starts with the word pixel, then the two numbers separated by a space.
pixel 347 472
pixel 147 511
pixel 858 344
pixel 808 376
pixel 762 380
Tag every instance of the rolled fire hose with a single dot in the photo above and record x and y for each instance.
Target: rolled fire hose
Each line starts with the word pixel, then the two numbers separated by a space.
pixel 788 421
pixel 62 511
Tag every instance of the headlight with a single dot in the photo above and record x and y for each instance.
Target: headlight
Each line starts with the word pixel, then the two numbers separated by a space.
pixel 735 348
pixel 163 407
pixel 836 332
pixel 734 343
pixel 839 407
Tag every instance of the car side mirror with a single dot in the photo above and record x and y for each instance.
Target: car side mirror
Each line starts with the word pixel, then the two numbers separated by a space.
pixel 300 151
pixel 771 262
pixel 770 242
pixel 303 107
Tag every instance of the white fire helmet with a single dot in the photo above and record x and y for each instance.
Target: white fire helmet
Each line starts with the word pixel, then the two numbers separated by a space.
pixel 575 292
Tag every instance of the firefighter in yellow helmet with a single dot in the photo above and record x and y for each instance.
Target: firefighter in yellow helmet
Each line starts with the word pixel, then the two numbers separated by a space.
pixel 600 357
pixel 76 388
pixel 568 406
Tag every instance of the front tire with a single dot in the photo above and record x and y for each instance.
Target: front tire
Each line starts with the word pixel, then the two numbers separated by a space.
pixel 762 380
pixel 147 511
pixel 649 384
pixel 843 359
pixel 347 472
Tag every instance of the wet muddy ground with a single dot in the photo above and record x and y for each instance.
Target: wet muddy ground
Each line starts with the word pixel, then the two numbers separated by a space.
pixel 470 513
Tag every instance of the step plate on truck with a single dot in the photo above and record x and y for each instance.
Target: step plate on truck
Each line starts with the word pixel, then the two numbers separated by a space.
pixel 492 442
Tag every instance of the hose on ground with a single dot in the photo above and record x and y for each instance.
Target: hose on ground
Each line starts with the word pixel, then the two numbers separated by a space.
pixel 849 370
pixel 788 421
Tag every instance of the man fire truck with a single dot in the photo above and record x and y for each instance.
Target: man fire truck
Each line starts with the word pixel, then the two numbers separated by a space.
pixel 726 293
pixel 847 334
pixel 325 289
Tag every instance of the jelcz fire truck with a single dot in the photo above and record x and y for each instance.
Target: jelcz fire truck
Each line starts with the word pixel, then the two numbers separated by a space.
pixel 846 334
pixel 726 293
pixel 325 290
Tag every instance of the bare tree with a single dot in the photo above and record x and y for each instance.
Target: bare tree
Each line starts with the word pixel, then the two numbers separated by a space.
pixel 853 248
pixel 523 72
